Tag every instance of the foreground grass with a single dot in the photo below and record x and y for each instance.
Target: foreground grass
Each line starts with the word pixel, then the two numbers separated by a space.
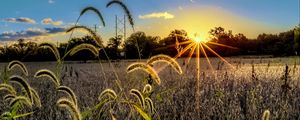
pixel 239 93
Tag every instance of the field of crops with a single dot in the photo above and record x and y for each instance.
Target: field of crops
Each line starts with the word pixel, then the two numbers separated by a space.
pixel 243 91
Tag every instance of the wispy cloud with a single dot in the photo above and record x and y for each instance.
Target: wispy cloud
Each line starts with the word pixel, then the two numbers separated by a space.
pixel 30 32
pixel 49 21
pixel 51 1
pixel 20 20
pixel 164 15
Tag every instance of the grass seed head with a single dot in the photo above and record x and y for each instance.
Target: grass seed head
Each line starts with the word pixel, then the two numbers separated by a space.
pixel 146 68
pixel 139 96
pixel 167 59
pixel 47 73
pixel 71 107
pixel 22 82
pixel 95 10
pixel 94 34
pixel 108 92
pixel 84 46
pixel 266 115
pixel 53 49
pixel 126 10
pixel 16 63
pixel 68 91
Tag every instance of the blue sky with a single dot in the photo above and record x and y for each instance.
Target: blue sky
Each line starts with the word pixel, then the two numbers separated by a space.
pixel 46 19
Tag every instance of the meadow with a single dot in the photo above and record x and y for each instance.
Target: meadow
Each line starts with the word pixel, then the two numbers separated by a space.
pixel 161 87
pixel 244 91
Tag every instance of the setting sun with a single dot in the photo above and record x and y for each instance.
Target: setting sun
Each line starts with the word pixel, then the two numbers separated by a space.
pixel 199 38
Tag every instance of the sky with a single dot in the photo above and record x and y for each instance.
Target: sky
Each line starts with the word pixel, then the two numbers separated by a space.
pixel 47 20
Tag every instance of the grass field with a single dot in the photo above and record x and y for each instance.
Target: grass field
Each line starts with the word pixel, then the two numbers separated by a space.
pixel 243 91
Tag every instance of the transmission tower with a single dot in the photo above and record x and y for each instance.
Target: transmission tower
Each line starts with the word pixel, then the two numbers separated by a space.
pixel 120 27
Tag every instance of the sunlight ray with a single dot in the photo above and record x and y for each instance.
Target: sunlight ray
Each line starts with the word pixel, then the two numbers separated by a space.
pixel 173 45
pixel 178 55
pixel 191 54
pixel 222 45
pixel 207 59
pixel 217 55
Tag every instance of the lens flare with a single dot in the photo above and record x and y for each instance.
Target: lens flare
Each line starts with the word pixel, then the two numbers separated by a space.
pixel 199 38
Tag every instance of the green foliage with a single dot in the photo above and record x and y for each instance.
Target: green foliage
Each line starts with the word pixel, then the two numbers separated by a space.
pixel 141 112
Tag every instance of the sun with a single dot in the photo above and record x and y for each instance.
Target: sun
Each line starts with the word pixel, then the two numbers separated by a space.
pixel 199 38
pixel 197 45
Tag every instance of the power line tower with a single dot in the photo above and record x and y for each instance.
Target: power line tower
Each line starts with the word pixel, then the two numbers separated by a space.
pixel 120 27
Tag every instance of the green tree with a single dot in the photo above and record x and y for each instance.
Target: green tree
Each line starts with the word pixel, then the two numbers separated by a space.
pixel 147 45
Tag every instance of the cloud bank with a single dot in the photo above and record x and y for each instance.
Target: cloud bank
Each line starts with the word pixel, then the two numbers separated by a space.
pixel 164 15
pixel 20 20
pixel 30 32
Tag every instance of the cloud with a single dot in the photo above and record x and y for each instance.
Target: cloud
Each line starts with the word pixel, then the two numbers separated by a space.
pixel 180 7
pixel 30 32
pixel 51 1
pixel 164 15
pixel 20 20
pixel 48 21
pixel 200 19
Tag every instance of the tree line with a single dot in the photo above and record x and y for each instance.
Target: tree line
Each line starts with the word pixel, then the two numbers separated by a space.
pixel 283 44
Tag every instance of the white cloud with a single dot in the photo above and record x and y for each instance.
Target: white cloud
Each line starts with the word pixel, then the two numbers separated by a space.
pixel 164 15
pixel 51 1
pixel 49 21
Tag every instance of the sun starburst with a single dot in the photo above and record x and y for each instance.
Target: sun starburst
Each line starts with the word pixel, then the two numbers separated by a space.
pixel 197 45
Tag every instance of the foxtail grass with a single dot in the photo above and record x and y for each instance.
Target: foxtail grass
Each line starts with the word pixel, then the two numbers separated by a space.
pixel 35 98
pixel 16 63
pixel 53 49
pixel 71 107
pixel 68 91
pixel 9 97
pixel 49 74
pixel 266 115
pixel 167 59
pixel 149 104
pixel 8 88
pixel 108 92
pixel 20 99
pixel 95 10
pixel 22 82
pixel 147 88
pixel 146 68
pixel 84 46
pixel 139 96
pixel 124 7
pixel 90 31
